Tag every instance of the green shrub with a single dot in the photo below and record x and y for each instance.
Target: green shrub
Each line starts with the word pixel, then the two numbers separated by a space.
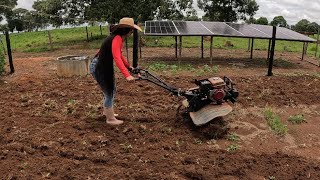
pixel 2 62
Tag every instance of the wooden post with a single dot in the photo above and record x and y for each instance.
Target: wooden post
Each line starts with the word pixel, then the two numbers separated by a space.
pixel 87 33
pixel 100 30
pixel 50 40
pixel 201 47
pixel 274 32
pixel 9 52
pixel 211 46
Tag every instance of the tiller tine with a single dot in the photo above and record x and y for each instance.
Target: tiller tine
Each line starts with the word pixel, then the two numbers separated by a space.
pixel 208 112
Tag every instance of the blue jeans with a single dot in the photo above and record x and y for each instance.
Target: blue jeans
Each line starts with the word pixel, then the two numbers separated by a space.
pixel 108 98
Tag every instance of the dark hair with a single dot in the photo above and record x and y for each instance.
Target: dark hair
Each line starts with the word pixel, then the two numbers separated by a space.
pixel 121 31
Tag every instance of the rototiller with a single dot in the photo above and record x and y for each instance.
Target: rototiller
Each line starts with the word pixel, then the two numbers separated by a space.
pixel 203 103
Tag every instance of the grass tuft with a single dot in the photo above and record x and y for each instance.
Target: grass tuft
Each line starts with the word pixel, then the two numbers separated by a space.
pixel 275 123
pixel 297 119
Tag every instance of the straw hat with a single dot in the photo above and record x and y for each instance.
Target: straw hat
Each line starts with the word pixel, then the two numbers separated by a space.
pixel 126 23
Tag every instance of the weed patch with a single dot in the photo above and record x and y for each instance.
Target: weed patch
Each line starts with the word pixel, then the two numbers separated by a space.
pixel 274 122
pixel 297 119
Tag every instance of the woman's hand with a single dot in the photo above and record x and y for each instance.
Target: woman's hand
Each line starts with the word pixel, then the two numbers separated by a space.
pixel 130 78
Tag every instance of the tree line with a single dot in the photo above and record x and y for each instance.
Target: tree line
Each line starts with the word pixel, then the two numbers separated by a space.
pixel 74 12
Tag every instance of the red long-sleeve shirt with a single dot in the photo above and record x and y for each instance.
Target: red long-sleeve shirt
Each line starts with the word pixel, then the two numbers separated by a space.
pixel 119 59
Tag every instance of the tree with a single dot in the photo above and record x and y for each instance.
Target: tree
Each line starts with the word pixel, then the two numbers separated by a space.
pixel 279 21
pixel 16 19
pixel 301 26
pixel 251 20
pixel 51 10
pixel 228 10
pixel 313 27
pixel 262 21
pixel 140 10
pixel 6 7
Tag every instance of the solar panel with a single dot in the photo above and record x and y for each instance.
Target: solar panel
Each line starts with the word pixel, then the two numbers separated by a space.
pixel 204 28
pixel 191 28
pixel 160 28
pixel 220 28
pixel 248 31
pixel 294 35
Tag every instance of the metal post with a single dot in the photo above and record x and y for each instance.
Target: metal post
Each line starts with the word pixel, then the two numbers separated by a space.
pixel 100 30
pixel 249 44
pixel 315 54
pixel 274 32
pixel 303 49
pixel 127 51
pixel 176 39
pixel 201 47
pixel 180 46
pixel 135 48
pixel 269 49
pixel 140 47
pixel 9 52
pixel 251 49
pixel 211 46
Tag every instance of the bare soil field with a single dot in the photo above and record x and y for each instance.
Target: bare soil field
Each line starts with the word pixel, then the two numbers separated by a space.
pixel 52 127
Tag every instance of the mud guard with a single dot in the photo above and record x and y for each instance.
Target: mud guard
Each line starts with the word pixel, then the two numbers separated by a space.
pixel 208 112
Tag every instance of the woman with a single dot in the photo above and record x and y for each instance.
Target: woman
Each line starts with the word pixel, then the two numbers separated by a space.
pixel 101 66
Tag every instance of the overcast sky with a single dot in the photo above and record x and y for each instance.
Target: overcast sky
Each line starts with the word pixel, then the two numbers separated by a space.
pixel 292 10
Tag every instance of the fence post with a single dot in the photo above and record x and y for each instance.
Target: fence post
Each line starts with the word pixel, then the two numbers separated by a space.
pixel 50 40
pixel 87 33
pixel 9 52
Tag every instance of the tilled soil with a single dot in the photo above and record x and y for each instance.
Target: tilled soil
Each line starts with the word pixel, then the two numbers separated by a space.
pixel 52 127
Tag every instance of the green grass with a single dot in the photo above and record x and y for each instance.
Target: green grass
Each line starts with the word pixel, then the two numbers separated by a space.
pixel 274 122
pixel 39 41
pixel 297 119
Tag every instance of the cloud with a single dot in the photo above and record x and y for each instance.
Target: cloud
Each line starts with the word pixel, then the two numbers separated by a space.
pixel 292 10
pixel 26 4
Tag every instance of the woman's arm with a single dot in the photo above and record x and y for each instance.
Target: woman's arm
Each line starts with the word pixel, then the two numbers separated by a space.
pixel 117 56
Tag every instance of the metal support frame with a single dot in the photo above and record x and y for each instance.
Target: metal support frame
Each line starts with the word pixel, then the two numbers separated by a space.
pixel 176 45
pixel 201 47
pixel 303 49
pixel 315 54
pixel 211 46
pixel 135 48
pixel 180 46
pixel 269 49
pixel 127 51
pixel 273 44
pixel 140 47
pixel 251 55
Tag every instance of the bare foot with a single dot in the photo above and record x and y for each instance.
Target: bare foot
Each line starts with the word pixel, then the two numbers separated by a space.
pixel 114 121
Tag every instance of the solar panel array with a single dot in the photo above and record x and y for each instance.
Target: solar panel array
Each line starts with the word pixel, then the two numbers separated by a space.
pixel 205 28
